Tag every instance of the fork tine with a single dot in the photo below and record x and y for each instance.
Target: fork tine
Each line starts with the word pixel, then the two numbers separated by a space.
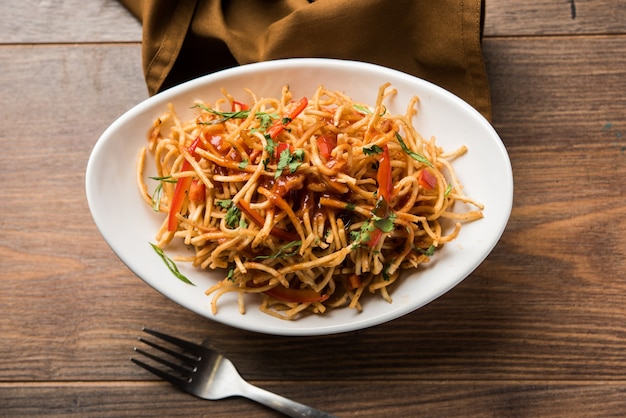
pixel 195 348
pixel 174 380
pixel 172 353
pixel 182 369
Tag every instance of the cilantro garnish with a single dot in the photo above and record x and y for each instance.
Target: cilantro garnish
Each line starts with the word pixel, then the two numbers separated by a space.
pixel 241 114
pixel 385 224
pixel 223 203
pixel 412 154
pixel 362 109
pixel 158 191
pixel 265 119
pixel 231 273
pixel 428 252
pixel 282 251
pixel 233 216
pixel 171 265
pixel 271 145
pixel 373 150
pixel 289 160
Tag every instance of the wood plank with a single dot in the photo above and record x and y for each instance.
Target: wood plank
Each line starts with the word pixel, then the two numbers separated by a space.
pixel 66 21
pixel 355 399
pixel 548 17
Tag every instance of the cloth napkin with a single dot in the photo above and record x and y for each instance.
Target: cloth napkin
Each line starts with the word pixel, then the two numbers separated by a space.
pixel 437 40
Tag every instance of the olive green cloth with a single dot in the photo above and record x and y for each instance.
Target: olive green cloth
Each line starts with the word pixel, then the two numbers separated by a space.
pixel 437 40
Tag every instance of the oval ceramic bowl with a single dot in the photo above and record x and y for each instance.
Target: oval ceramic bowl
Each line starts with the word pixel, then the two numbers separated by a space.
pixel 128 224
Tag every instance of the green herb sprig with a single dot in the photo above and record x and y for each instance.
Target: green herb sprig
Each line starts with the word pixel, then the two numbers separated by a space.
pixel 171 265
pixel 412 154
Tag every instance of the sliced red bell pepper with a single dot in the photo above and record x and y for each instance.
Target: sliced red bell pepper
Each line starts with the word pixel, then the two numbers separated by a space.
pixel 181 189
pixel 374 237
pixel 355 281
pixel 259 221
pixel 235 106
pixel 384 176
pixel 385 187
pixel 326 144
pixel 280 148
pixel 295 295
pixel 197 191
pixel 426 179
pixel 288 116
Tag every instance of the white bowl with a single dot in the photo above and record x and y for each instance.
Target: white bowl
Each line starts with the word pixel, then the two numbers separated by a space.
pixel 128 224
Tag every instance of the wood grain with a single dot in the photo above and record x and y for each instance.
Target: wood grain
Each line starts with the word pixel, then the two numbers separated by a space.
pixel 400 399
pixel 66 21
pixel 539 329
pixel 547 17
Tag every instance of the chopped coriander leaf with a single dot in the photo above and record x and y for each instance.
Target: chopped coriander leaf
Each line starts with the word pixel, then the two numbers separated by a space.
pixel 171 265
pixel 265 119
pixel 366 228
pixel 373 150
pixel 385 224
pixel 289 160
pixel 350 206
pixel 233 216
pixel 156 197
pixel 223 203
pixel 241 114
pixel 231 273
pixel 271 145
pixel 412 154
pixel 427 252
pixel 158 191
pixel 166 179
pixel 282 251
pixel 243 164
pixel 385 272
pixel 362 109
pixel 298 157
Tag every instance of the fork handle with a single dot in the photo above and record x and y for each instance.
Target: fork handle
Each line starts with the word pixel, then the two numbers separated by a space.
pixel 281 404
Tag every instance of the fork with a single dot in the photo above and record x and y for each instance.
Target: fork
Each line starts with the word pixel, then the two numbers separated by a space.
pixel 207 374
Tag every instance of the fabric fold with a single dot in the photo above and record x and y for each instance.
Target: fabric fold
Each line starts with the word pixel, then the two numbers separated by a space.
pixel 439 41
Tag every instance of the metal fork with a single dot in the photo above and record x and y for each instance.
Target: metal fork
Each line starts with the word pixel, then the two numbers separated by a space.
pixel 207 374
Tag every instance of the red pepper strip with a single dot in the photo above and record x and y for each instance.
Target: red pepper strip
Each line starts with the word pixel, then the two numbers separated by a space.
pixel 295 295
pixel 259 221
pixel 355 281
pixel 384 176
pixel 384 193
pixel 427 180
pixel 182 186
pixel 279 125
pixel 326 144
pixel 375 236
pixel 197 191
pixel 241 106
pixel 280 148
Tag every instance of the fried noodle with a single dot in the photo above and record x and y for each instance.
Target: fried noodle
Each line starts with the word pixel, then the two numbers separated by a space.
pixel 310 204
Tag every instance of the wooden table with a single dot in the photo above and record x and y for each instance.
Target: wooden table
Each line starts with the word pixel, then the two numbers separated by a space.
pixel 539 329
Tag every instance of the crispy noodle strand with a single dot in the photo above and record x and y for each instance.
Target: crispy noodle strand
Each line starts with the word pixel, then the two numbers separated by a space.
pixel 308 229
